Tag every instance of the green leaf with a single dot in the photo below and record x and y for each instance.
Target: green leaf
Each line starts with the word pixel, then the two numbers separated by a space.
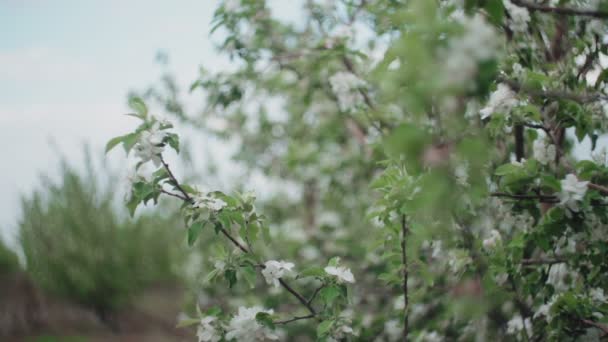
pixel 329 294
pixel 265 319
pixel 312 272
pixel 506 169
pixel 132 205
pixel 129 141
pixel 495 9
pixel 113 142
pixel 187 322
pixel 230 275
pixel 194 231
pixel 324 327
pixel 173 141
pixel 409 141
pixel 214 311
pixel 250 275
pixel 138 105
pixel 335 261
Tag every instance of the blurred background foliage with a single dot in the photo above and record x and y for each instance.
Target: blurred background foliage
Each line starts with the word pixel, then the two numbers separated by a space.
pixel 77 244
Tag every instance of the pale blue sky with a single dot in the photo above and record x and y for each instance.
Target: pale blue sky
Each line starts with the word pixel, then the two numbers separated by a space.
pixel 66 66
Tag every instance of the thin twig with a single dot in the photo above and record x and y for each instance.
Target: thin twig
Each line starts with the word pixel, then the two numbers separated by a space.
pixel 541 198
pixel 297 318
pixel 560 10
pixel 173 194
pixel 314 295
pixel 298 296
pixel 175 182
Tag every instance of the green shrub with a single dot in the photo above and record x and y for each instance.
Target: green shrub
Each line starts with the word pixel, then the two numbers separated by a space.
pixel 9 262
pixel 77 244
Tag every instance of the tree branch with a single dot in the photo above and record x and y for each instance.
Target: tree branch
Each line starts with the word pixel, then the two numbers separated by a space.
pixel 552 94
pixel 404 230
pixel 244 249
pixel 519 142
pixel 600 326
pixel 560 10
pixel 600 188
pixel 529 262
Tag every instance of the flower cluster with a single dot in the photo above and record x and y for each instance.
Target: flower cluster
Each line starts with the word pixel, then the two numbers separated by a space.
pixel 341 273
pixel 150 145
pixel 477 44
pixel 502 100
pixel 275 270
pixel 346 86
pixel 543 152
pixel 209 202
pixel 206 331
pixel 572 192
pixel 518 16
pixel 245 327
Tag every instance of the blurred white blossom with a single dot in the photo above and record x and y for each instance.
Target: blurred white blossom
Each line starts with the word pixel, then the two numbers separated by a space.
pixel 519 16
pixel 517 324
pixel 572 192
pixel 345 86
pixel 244 326
pixel 206 332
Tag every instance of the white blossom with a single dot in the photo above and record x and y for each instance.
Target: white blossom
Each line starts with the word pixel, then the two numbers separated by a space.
pixel 430 336
pixel 206 332
pixel 399 303
pixel 232 6
pixel 219 265
pixel 393 330
pixel 342 332
pixel 572 192
pixel 597 294
pixel 516 325
pixel 545 309
pixel 559 275
pixel 519 16
pixel 275 270
pixel 461 172
pixel 244 326
pixel 209 202
pixel 601 156
pixel 492 240
pixel 543 152
pixel 149 146
pixel 342 33
pixel 342 273
pixel 503 99
pixel 345 86
pixel 477 44
pixel 330 218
